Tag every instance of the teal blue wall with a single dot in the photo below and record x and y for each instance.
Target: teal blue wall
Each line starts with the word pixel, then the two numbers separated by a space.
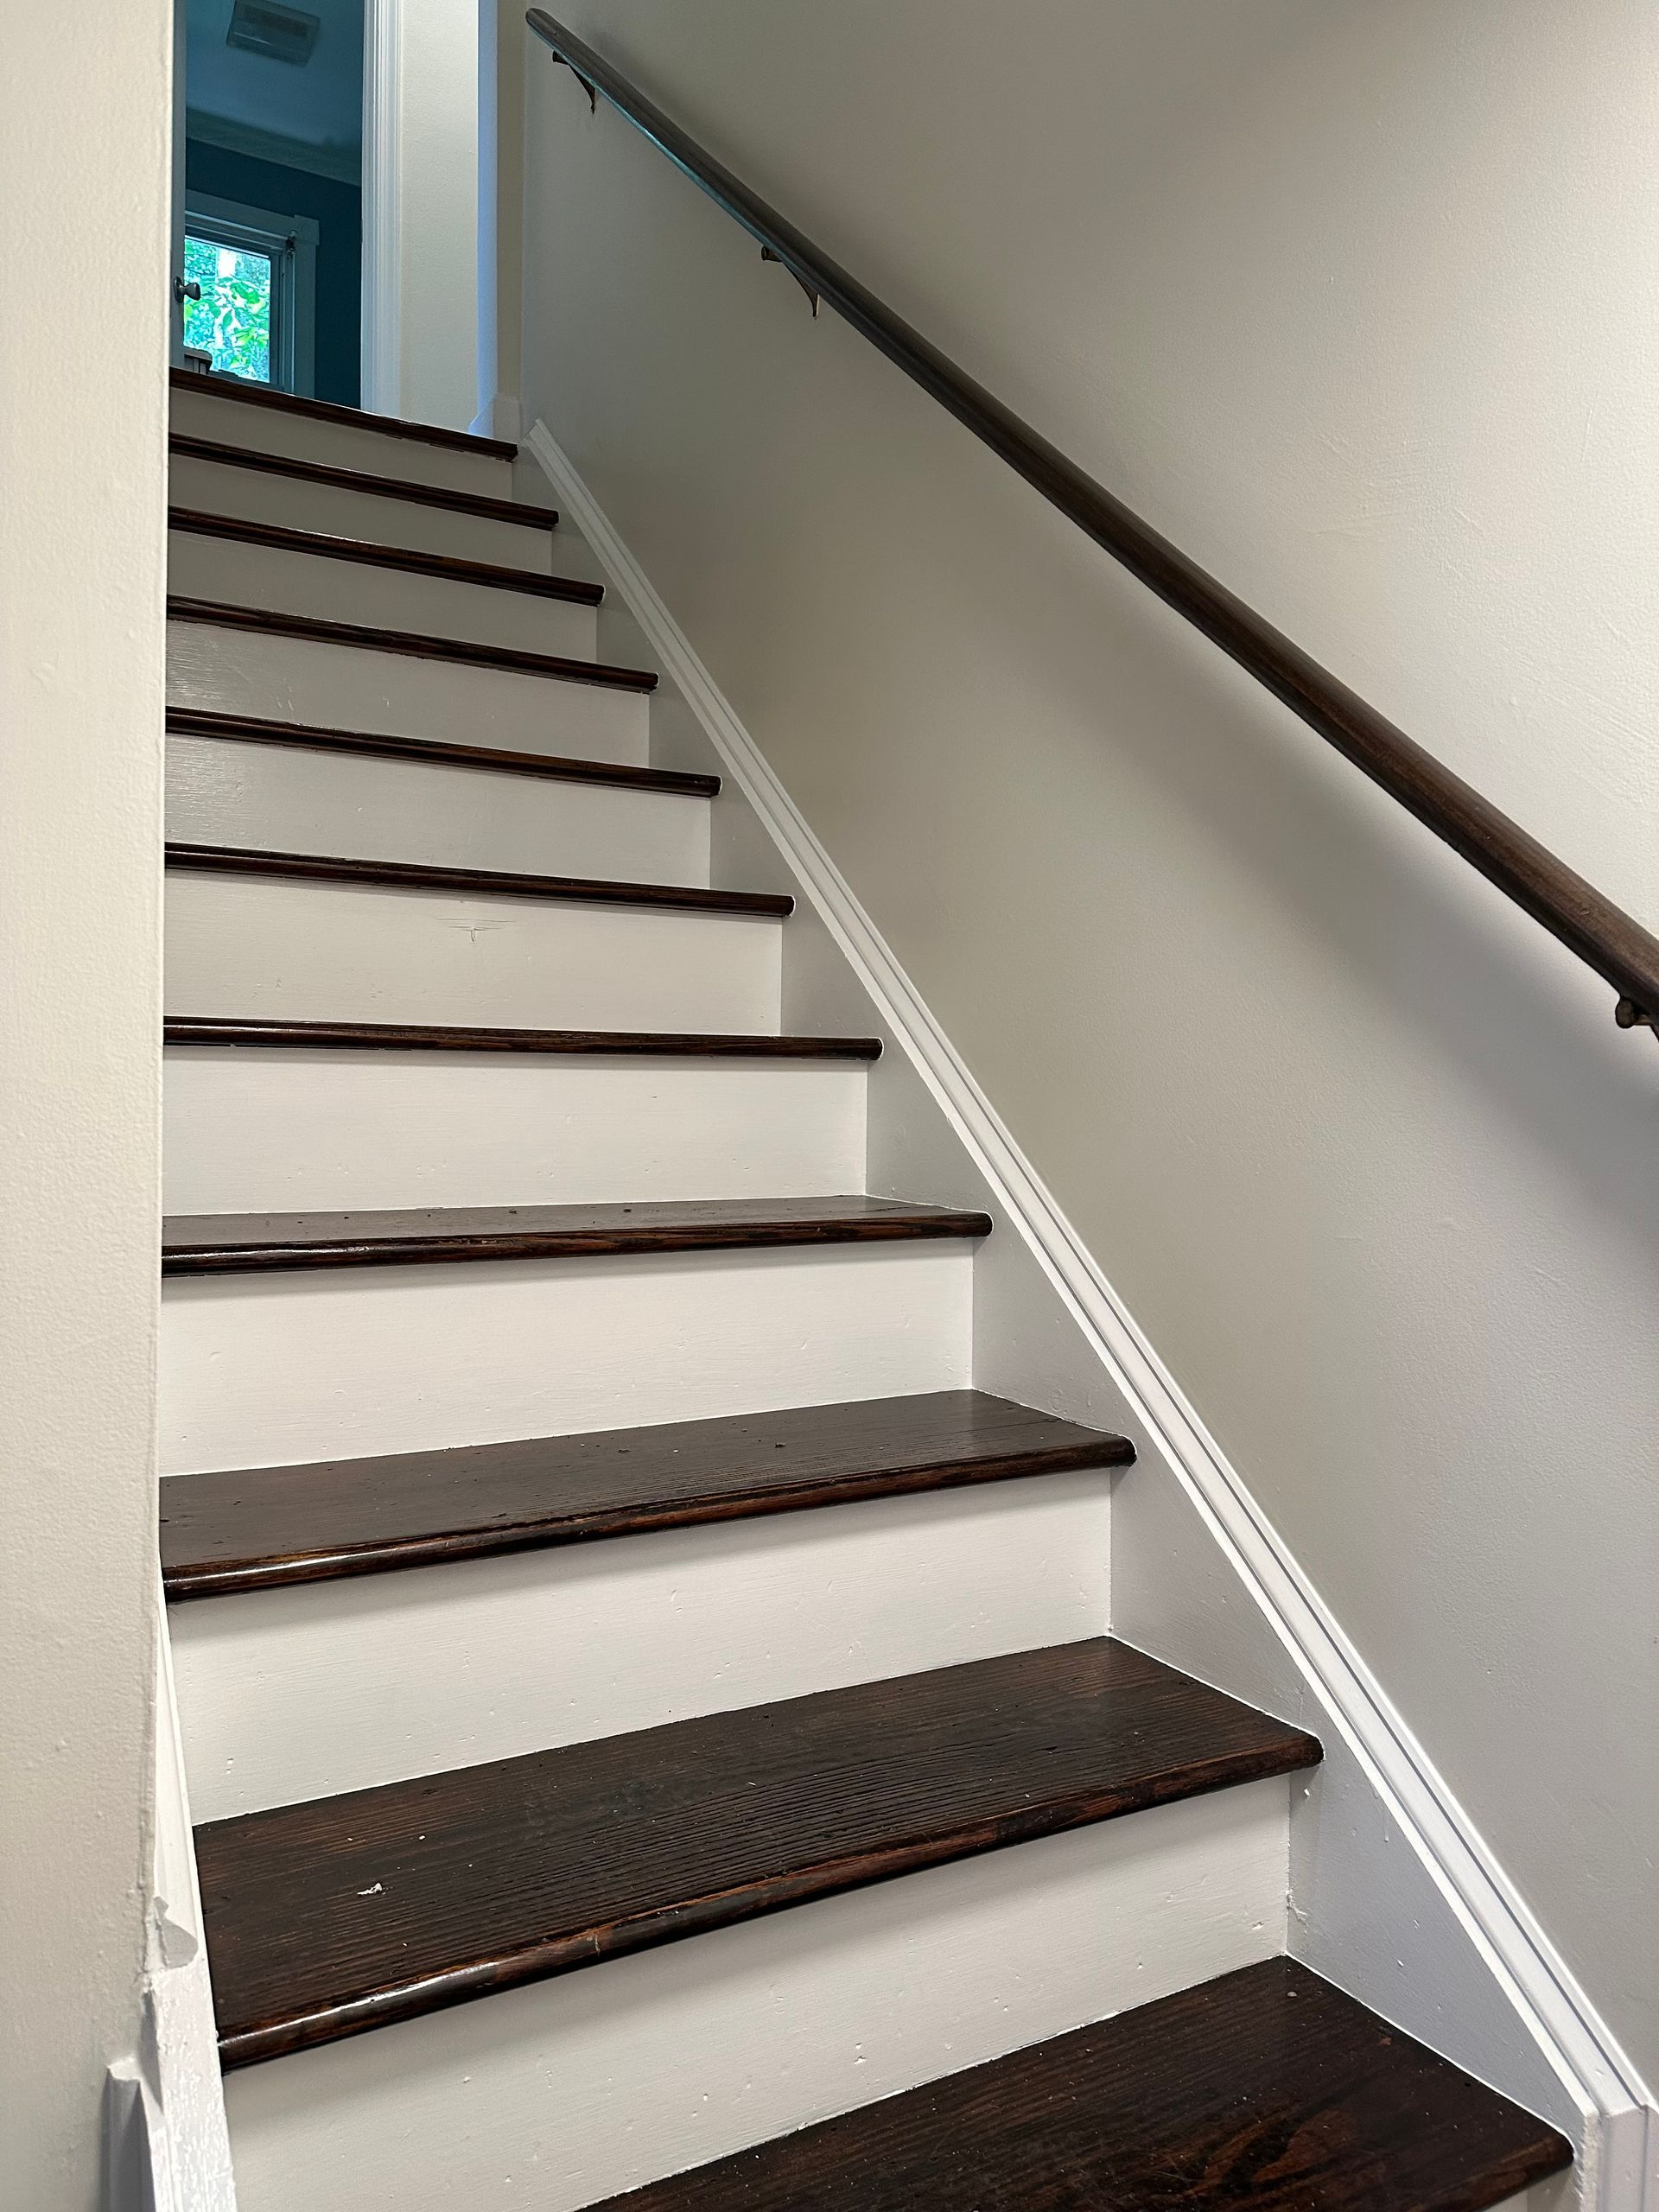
pixel 337 209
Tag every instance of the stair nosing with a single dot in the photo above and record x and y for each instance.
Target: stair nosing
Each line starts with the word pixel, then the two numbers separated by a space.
pixel 732 1486
pixel 900 1840
pixel 623 1239
pixel 187 447
pixel 189 858
pixel 231 1032
pixel 346 1563
pixel 559 668
pixel 323 545
pixel 554 768
pixel 351 418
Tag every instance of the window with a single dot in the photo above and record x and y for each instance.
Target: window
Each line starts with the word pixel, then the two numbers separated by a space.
pixel 257 273
pixel 232 320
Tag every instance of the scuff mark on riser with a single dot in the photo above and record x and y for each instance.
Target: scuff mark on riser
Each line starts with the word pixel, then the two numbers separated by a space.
pixel 243 947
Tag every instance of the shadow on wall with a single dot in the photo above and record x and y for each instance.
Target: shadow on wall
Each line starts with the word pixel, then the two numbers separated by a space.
pixel 336 207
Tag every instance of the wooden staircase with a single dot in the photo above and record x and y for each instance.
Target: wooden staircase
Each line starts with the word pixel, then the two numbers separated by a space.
pixel 585 1547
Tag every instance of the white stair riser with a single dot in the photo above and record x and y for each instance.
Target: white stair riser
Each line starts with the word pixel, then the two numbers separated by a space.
pixel 272 1369
pixel 339 445
pixel 258 1131
pixel 402 695
pixel 254 946
pixel 572 2090
pixel 483 1659
pixel 294 799
pixel 389 599
pixel 217 488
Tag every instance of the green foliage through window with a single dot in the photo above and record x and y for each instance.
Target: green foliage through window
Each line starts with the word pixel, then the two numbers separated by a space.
pixel 232 320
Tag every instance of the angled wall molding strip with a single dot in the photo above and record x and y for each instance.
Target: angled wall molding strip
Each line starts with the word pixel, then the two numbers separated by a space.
pixel 1620 2165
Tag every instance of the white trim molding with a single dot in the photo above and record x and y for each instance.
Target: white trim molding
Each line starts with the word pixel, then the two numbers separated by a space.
pixel 383 222
pixel 167 2145
pixel 1617 2133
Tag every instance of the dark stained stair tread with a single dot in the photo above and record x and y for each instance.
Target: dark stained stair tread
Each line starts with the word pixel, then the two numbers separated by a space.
pixel 308 737
pixel 478 883
pixel 417 1037
pixel 1267 2090
pixel 237 1243
pixel 185 447
pixel 267 1526
pixel 328 410
pixel 561 668
pixel 327 1918
pixel 194 523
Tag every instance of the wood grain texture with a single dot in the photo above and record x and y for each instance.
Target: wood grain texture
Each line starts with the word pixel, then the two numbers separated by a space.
pixel 321 545
pixel 267 1526
pixel 307 737
pixel 480 882
pixel 1265 2091
pixel 328 1918
pixel 328 410
pixel 1614 943
pixel 357 480
pixel 411 645
pixel 240 1243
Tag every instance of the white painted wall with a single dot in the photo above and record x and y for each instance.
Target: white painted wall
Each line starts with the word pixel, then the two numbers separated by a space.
pixel 502 40
pixel 1355 304
pixel 420 231
pixel 82 459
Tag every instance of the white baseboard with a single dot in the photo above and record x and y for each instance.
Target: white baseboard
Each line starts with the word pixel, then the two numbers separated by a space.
pixel 1604 2104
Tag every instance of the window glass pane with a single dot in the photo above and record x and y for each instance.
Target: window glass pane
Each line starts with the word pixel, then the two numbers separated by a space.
pixel 232 320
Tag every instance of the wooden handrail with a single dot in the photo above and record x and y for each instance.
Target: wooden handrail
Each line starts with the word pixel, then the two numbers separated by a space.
pixel 1602 935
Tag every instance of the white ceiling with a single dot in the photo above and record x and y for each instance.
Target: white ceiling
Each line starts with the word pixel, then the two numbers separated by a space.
pixel 319 105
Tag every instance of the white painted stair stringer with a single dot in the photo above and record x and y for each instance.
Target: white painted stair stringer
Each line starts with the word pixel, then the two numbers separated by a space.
pixel 571 2090
pixel 1395 1895
pixel 452 1665
pixel 299 799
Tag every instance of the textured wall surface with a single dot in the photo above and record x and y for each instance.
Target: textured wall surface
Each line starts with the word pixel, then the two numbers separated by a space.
pixel 82 461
